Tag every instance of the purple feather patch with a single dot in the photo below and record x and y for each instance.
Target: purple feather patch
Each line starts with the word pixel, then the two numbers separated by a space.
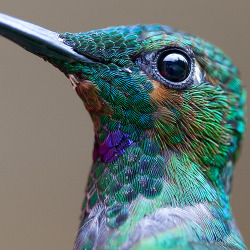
pixel 114 146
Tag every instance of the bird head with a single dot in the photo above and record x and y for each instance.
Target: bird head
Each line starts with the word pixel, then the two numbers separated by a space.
pixel 147 81
pixel 168 114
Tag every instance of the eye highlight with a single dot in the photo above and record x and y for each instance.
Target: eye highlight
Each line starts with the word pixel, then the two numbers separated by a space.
pixel 174 66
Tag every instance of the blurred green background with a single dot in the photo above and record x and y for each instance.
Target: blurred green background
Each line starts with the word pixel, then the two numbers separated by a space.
pixel 46 135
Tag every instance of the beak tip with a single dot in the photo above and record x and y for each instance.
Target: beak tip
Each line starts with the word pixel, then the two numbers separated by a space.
pixel 37 40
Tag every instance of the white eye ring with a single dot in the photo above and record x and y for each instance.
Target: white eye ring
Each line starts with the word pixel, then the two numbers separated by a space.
pixel 181 57
pixel 199 74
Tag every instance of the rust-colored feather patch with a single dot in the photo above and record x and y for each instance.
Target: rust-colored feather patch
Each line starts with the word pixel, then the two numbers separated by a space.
pixel 88 92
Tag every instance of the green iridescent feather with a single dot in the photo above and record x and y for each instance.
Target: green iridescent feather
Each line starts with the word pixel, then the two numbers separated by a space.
pixel 183 140
pixel 164 150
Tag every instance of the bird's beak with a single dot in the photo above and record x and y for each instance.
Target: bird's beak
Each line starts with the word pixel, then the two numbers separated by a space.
pixel 37 40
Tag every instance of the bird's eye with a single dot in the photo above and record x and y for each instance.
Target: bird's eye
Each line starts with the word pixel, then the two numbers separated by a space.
pixel 174 65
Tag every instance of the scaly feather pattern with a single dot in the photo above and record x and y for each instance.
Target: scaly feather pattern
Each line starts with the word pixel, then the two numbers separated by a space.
pixel 168 114
pixel 161 153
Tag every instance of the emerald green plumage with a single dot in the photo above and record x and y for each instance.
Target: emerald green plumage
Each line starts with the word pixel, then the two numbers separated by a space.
pixel 184 142
pixel 164 153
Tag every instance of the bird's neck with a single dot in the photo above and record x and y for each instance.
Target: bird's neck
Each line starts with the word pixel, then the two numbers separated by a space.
pixel 125 171
pixel 137 187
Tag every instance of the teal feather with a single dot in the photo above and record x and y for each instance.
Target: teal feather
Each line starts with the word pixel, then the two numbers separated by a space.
pixel 164 151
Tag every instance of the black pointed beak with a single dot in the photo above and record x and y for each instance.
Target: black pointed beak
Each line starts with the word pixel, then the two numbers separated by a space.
pixel 37 40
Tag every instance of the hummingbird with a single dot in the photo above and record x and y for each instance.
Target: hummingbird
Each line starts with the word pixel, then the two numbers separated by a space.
pixel 168 115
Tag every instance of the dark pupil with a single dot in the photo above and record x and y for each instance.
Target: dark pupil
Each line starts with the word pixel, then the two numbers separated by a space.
pixel 174 66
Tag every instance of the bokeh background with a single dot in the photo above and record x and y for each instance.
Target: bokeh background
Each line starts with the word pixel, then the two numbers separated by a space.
pixel 46 135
